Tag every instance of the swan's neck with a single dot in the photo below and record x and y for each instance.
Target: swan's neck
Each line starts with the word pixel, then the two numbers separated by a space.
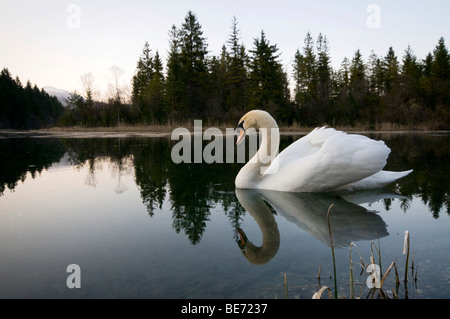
pixel 252 173
pixel 257 208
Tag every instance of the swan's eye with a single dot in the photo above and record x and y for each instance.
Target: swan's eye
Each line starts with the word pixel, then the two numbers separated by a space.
pixel 241 125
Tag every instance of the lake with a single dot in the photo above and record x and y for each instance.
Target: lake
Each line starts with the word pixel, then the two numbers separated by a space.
pixel 137 225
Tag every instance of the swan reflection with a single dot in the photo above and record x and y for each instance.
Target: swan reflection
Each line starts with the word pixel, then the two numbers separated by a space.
pixel 257 208
pixel 349 221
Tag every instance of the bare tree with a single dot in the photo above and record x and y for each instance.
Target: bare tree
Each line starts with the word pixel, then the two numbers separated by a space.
pixel 87 80
pixel 115 88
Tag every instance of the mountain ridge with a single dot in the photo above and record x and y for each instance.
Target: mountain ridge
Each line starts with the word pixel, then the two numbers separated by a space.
pixel 60 94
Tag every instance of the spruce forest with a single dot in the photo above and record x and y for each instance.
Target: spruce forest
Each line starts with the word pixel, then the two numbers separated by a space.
pixel 400 90
pixel 26 107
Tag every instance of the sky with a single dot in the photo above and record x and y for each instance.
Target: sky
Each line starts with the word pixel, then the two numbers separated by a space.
pixel 55 42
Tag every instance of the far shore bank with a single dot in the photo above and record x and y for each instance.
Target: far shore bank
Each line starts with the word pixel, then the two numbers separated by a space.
pixel 166 130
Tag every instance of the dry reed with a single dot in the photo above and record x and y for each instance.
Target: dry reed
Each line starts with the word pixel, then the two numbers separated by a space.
pixel 376 291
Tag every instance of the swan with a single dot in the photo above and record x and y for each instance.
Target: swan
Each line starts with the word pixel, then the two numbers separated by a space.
pixel 324 160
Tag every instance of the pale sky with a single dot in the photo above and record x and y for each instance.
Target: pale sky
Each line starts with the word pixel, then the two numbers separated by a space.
pixel 54 42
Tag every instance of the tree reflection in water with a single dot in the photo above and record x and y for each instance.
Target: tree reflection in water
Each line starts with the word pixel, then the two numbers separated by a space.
pixel 194 189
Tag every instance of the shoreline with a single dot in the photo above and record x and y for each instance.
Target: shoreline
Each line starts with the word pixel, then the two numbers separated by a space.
pixel 166 131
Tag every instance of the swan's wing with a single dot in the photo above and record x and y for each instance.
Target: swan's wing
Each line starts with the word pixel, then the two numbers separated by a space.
pixel 303 147
pixel 307 145
pixel 336 158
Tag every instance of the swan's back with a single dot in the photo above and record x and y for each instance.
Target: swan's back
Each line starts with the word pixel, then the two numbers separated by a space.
pixel 324 160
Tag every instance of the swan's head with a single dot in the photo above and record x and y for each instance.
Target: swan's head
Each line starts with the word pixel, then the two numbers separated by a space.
pixel 243 240
pixel 258 255
pixel 254 119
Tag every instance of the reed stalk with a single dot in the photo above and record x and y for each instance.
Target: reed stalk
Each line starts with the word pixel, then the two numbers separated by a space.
pixel 372 258
pixel 352 287
pixel 318 294
pixel 318 276
pixel 332 251
pixel 285 286
pixel 386 274
pixel 406 250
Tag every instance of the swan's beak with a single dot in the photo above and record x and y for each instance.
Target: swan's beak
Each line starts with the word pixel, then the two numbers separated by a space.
pixel 241 135
pixel 242 242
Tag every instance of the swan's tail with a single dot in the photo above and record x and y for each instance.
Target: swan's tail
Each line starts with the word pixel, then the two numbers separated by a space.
pixel 398 175
pixel 378 180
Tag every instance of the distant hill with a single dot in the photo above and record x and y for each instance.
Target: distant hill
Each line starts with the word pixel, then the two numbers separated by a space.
pixel 60 94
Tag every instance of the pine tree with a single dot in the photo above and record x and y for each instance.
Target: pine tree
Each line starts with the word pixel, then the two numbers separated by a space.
pixel 156 91
pixel 341 87
pixel 144 72
pixel 440 73
pixel 344 76
pixel 358 88
pixel 267 77
pixel 193 64
pixel 410 74
pixel 175 90
pixel 187 73
pixel 376 75
pixel 425 84
pixel 141 83
pixel 217 86
pixel 357 77
pixel 323 78
pixel 323 68
pixel 391 71
pixel 305 73
pixel 440 68
pixel 236 99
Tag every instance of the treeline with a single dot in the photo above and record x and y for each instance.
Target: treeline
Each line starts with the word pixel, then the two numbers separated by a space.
pixel 26 107
pixel 384 89
pixel 192 83
pixel 409 92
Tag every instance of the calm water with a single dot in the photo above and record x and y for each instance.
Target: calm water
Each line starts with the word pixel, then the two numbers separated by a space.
pixel 140 226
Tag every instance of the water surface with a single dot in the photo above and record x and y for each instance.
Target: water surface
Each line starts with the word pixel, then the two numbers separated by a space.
pixel 140 226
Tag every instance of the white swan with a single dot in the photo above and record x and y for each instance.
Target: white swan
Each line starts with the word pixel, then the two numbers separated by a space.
pixel 324 160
